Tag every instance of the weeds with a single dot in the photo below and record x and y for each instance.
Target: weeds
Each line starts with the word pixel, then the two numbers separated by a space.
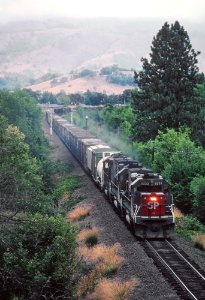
pixel 89 236
pixel 113 289
pixel 199 241
pixel 78 213
pixel 89 282
pixel 108 257
pixel 178 213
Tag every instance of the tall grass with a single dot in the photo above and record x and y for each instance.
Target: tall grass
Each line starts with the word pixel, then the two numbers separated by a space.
pixel 199 241
pixel 89 236
pixel 88 283
pixel 178 213
pixel 107 256
pixel 113 289
pixel 78 213
pixel 107 261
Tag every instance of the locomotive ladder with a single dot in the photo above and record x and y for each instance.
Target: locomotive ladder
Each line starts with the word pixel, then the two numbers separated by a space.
pixel 184 275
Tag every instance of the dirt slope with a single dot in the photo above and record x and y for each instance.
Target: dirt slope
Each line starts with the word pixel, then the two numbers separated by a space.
pixel 95 84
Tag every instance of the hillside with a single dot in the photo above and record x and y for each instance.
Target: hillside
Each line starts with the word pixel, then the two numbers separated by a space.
pixel 30 49
pixel 69 86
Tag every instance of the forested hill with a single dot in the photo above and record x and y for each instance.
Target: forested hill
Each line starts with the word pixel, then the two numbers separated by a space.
pixel 38 47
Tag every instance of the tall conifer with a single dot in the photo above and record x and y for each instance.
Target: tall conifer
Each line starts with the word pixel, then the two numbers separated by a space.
pixel 167 96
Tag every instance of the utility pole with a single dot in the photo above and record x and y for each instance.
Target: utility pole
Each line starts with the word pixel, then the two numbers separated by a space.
pixel 71 116
pixel 86 122
pixel 51 123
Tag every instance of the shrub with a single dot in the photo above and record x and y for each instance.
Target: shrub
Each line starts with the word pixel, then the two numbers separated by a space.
pixel 178 159
pixel 62 194
pixel 188 226
pixel 37 255
pixel 197 188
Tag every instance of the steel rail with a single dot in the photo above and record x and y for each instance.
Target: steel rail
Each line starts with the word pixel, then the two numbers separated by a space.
pixel 173 272
pixel 178 253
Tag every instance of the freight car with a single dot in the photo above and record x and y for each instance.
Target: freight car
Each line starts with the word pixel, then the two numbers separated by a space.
pixel 141 197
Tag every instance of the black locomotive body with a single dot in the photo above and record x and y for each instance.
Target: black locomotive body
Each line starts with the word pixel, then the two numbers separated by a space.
pixel 140 196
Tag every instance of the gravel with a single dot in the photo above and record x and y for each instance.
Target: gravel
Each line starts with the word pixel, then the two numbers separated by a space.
pixel 152 285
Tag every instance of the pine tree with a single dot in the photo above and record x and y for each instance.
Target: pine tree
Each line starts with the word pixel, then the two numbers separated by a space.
pixel 167 96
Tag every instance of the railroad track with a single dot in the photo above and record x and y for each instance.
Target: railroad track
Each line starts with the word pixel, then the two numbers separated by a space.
pixel 186 277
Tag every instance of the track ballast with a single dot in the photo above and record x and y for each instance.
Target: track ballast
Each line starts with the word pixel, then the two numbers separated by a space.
pixel 187 278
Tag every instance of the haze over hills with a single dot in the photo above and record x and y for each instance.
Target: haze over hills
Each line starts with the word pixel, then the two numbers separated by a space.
pixel 34 48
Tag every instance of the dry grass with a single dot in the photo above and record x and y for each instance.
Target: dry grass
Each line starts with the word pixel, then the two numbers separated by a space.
pixel 199 241
pixel 89 236
pixel 108 257
pixel 78 213
pixel 178 213
pixel 66 196
pixel 89 282
pixel 113 289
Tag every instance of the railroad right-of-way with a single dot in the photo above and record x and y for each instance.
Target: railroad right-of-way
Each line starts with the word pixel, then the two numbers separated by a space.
pixel 186 277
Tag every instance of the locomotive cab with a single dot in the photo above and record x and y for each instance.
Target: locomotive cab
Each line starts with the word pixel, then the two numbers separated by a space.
pixel 152 206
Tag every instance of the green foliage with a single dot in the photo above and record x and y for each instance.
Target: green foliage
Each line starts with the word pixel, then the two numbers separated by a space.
pixel 178 159
pixel 47 97
pixel 121 118
pixel 167 97
pixel 20 110
pixel 109 70
pixel 115 75
pixel 188 226
pixel 121 79
pixel 197 188
pixel 91 98
pixel 19 177
pixel 37 258
pixel 11 81
pixel 87 73
pixel 64 189
pixel 63 99
pixel 37 252
pixel 199 132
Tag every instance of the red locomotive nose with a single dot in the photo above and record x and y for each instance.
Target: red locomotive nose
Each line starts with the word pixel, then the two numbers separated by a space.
pixel 153 205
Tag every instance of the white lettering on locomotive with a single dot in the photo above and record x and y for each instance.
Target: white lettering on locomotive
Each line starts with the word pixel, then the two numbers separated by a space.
pixel 152 205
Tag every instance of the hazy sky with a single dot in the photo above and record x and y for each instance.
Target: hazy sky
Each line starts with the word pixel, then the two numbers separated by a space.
pixel 169 9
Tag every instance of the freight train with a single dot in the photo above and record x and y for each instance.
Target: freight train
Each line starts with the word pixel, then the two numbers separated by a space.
pixel 141 197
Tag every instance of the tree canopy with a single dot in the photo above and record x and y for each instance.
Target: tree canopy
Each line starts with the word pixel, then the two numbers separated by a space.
pixel 37 245
pixel 167 96
pixel 20 109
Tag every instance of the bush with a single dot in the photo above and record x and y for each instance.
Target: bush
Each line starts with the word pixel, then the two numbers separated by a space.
pixel 37 258
pixel 188 226
pixel 178 159
pixel 197 188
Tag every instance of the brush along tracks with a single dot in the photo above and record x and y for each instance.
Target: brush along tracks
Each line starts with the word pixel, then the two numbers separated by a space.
pixel 183 274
